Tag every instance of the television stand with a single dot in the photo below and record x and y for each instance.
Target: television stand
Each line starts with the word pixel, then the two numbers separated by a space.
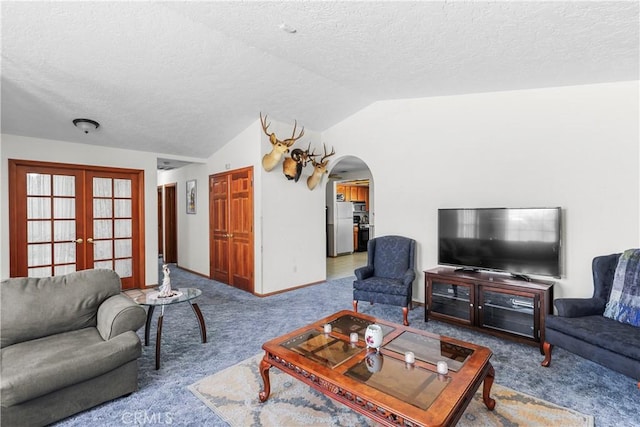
pixel 494 303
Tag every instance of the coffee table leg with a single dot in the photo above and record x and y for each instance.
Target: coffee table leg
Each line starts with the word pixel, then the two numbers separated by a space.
pixel 264 373
pixel 147 326
pixel 203 330
pixel 159 339
pixel 486 390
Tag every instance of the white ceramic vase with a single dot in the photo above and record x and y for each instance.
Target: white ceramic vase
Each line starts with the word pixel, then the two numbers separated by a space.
pixel 373 336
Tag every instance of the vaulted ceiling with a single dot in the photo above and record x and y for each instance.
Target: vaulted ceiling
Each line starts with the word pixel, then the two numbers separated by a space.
pixel 183 78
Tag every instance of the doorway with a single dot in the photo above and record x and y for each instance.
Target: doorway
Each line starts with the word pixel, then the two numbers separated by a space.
pixel 350 215
pixel 65 218
pixel 231 228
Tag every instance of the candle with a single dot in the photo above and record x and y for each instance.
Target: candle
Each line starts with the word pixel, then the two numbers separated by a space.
pixel 409 357
pixel 442 367
pixel 353 337
pixel 327 328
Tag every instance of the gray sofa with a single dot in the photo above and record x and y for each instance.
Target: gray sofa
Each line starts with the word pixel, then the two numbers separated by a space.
pixel 68 343
pixel 581 328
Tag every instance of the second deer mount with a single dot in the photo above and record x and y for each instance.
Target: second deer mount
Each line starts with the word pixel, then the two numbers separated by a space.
pixel 293 165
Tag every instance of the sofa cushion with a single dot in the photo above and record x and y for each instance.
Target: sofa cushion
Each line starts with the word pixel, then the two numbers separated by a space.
pixel 37 307
pixel 35 368
pixel 603 332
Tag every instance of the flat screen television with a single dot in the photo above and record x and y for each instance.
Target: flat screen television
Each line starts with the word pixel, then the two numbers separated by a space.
pixel 520 241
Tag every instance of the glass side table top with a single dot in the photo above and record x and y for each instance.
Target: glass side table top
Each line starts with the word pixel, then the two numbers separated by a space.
pixel 183 294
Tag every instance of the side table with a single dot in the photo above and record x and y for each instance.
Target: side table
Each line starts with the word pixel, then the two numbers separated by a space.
pixel 151 300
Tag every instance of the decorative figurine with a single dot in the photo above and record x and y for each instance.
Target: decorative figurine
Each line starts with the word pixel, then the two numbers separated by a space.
pixel 165 288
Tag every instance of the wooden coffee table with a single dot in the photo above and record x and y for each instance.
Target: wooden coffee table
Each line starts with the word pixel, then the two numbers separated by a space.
pixel 380 385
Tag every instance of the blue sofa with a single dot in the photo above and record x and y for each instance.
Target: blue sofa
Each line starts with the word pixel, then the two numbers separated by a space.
pixel 581 328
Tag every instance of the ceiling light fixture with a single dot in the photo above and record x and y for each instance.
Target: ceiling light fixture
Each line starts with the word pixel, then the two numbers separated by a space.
pixel 288 28
pixel 86 125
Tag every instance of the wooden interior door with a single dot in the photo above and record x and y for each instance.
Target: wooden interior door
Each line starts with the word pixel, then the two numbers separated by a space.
pixel 160 223
pixel 231 228
pixel 170 224
pixel 66 218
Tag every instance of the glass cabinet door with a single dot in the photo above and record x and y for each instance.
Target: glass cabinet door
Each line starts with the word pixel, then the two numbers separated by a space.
pixel 452 300
pixel 508 312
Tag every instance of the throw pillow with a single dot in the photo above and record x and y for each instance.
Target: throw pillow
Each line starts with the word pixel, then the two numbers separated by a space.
pixel 624 301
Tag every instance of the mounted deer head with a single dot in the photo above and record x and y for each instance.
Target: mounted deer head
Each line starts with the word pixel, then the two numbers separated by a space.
pixel 292 166
pixel 270 160
pixel 319 168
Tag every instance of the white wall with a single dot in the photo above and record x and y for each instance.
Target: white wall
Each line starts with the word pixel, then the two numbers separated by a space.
pixel 24 148
pixel 574 147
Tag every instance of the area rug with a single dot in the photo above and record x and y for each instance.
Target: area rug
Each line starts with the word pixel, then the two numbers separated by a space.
pixel 233 395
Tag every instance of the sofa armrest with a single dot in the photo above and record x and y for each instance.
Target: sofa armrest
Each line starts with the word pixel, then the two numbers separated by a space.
pixel 364 272
pixel 578 307
pixel 118 314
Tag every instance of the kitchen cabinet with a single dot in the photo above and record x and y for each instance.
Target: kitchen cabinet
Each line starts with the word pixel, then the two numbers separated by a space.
pixel 363 195
pixel 341 189
pixel 353 192
pixel 489 302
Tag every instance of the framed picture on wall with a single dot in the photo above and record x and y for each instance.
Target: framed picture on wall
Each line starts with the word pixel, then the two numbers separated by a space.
pixel 191 196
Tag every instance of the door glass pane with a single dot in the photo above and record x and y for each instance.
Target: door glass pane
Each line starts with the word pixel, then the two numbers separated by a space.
pixel 38 208
pixel 123 248
pixel 122 188
pixel 122 228
pixel 40 272
pixel 38 184
pixel 103 264
pixel 64 269
pixel 38 231
pixel 102 208
pixel 38 254
pixel 64 185
pixel 123 208
pixel 64 231
pixel 64 253
pixel 64 208
pixel 102 229
pixel 102 250
pixel 101 187
pixel 123 267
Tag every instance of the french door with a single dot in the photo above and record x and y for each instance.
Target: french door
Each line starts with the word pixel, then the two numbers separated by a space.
pixel 231 228
pixel 65 218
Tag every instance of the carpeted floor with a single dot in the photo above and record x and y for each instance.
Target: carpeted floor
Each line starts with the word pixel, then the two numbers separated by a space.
pixel 231 394
pixel 238 323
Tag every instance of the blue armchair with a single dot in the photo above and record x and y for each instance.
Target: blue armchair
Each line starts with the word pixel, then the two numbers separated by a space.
pixel 388 276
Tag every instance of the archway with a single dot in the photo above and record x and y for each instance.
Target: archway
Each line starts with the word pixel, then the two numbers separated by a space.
pixel 350 219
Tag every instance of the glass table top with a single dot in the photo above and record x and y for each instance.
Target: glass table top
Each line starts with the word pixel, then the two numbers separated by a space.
pixel 430 350
pixel 322 348
pixel 182 295
pixel 417 386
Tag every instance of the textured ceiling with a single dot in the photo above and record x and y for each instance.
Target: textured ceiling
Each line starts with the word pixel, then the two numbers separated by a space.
pixel 183 78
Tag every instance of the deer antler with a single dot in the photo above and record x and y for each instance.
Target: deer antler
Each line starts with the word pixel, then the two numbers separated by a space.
pixel 326 156
pixel 290 141
pixel 265 127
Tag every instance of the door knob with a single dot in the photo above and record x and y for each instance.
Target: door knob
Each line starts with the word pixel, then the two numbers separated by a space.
pixel 78 240
pixel 90 240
